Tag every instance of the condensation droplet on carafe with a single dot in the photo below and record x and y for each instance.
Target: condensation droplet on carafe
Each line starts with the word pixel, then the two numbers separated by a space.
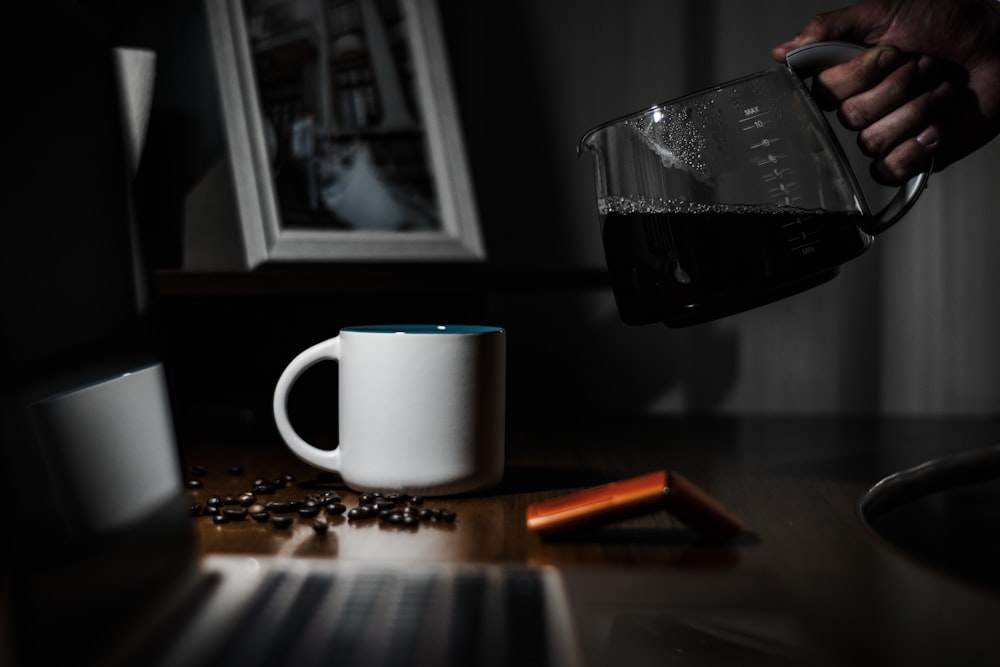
pixel 676 140
pixel 644 204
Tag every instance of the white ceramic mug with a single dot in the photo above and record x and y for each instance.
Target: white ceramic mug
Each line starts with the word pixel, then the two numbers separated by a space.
pixel 111 448
pixel 421 407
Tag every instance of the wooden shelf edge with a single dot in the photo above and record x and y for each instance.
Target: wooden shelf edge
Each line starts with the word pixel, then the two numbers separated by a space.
pixel 372 279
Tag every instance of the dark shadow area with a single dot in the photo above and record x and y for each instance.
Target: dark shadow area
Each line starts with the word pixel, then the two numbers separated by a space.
pixel 953 531
pixel 532 479
pixel 641 639
pixel 97 587
pixel 660 536
pixel 849 468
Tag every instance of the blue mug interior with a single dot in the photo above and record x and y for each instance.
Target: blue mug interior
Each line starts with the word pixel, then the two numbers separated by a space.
pixel 425 329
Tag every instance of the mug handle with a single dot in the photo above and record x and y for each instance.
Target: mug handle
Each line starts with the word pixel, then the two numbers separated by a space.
pixel 808 61
pixel 327 459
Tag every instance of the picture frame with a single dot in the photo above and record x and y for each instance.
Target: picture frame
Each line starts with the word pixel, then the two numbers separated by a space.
pixel 343 140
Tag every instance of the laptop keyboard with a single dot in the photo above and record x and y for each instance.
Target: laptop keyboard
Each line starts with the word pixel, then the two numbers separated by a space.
pixel 309 613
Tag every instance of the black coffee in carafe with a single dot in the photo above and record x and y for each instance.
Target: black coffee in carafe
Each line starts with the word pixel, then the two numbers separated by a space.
pixel 684 267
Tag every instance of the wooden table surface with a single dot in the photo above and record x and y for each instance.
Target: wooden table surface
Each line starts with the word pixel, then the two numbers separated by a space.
pixel 805 555
pixel 806 565
pixel 796 483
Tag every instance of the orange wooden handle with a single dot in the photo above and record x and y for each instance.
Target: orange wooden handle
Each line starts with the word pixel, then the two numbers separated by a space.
pixel 630 497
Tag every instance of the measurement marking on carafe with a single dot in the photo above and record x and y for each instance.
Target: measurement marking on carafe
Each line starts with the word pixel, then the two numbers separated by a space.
pixel 785 198
pixel 807 245
pixel 807 249
pixel 754 119
pixel 776 174
pixel 800 238
pixel 784 189
pixel 803 240
pixel 766 142
pixel 771 158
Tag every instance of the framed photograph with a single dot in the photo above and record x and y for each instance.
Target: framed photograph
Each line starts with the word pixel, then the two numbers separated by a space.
pixel 343 138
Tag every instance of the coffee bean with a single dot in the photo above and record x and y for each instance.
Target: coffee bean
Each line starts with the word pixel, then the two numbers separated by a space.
pixel 400 518
pixel 361 512
pixel 393 508
pixel 335 508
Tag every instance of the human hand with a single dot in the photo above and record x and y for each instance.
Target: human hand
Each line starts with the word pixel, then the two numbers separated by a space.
pixel 929 89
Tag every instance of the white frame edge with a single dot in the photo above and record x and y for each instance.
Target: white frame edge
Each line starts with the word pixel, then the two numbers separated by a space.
pixel 258 212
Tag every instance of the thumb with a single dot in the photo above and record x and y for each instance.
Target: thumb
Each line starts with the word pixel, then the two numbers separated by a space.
pixel 851 24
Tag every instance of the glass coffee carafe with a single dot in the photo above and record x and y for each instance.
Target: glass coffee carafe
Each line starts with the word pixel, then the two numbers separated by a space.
pixel 732 197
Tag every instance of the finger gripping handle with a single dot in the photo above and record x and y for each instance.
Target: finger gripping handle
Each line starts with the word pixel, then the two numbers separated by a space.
pixel 808 61
pixel 327 459
pixel 811 59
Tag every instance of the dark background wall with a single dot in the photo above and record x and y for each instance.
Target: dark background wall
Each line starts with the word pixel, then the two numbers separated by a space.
pixel 529 80
pixel 908 328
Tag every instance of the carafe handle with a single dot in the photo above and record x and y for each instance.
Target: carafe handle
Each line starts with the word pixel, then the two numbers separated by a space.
pixel 808 61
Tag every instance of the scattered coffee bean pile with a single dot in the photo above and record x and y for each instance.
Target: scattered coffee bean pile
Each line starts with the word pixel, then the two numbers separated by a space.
pixel 393 508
